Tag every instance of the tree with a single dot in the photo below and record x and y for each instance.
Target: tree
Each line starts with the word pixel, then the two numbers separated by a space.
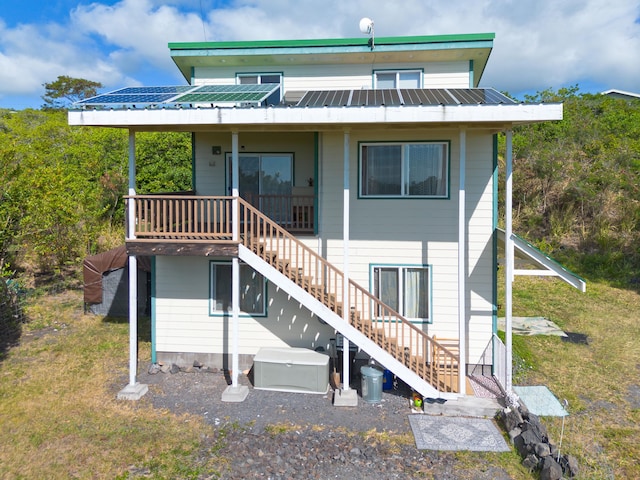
pixel 66 90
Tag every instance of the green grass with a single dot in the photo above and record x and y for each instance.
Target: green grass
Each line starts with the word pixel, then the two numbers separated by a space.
pixel 59 417
pixel 602 430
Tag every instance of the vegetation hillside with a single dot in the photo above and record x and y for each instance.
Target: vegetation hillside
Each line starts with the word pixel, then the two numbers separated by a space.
pixel 576 185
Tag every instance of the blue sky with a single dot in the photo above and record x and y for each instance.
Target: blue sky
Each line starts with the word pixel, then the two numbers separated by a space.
pixel 539 44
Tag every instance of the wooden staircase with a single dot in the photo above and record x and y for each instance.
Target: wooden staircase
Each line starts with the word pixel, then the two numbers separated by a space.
pixel 399 343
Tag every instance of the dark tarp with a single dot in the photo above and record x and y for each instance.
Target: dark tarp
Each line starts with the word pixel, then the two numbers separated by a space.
pixel 96 265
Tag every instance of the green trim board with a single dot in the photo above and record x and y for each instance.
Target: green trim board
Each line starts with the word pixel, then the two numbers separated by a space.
pixel 334 42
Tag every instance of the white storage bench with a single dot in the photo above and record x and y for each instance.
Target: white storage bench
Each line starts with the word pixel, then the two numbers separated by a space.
pixel 296 370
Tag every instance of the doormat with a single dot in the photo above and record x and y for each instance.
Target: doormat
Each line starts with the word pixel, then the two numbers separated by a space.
pixel 540 401
pixel 579 338
pixel 457 433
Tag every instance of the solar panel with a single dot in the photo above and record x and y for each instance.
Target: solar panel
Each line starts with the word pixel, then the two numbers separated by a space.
pixel 183 94
pixel 403 96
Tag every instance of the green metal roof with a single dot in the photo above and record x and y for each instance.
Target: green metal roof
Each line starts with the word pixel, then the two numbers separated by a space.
pixel 333 42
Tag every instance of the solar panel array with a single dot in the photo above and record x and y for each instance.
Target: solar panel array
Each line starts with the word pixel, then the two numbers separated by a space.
pixel 396 97
pixel 257 94
pixel 183 95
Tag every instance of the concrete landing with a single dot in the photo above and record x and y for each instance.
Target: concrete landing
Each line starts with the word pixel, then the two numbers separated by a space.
pixel 133 392
pixel 235 394
pixel 345 398
pixel 467 406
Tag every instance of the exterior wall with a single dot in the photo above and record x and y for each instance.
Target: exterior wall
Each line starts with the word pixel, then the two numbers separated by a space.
pixel 336 77
pixel 393 231
pixel 211 170
pixel 417 232
pixel 185 329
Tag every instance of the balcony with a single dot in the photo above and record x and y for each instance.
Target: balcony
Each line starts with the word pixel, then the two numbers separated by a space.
pixel 178 224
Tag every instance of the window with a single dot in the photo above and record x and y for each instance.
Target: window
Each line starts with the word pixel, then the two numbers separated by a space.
pixel 404 170
pixel 405 289
pixel 398 79
pixel 252 293
pixel 260 79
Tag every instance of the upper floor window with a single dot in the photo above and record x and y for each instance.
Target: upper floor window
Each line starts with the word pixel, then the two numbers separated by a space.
pixel 398 79
pixel 416 170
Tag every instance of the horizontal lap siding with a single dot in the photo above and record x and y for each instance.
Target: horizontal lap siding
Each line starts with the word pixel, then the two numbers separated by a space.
pixel 414 232
pixel 338 77
pixel 183 323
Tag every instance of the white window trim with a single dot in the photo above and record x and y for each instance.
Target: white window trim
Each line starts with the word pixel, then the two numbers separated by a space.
pixel 212 299
pixel 403 194
pixel 397 73
pixel 401 269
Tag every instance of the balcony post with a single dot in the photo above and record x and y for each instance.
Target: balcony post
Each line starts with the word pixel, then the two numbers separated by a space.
pixel 134 390
pixel 508 251
pixel 345 397
pixel 462 264
pixel 235 392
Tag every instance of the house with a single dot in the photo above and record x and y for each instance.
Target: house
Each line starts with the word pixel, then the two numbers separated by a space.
pixel 340 187
pixel 613 93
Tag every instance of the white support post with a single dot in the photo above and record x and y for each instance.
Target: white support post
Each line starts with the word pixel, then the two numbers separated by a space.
pixel 346 397
pixel 462 264
pixel 134 390
pixel 235 392
pixel 509 257
pixel 346 308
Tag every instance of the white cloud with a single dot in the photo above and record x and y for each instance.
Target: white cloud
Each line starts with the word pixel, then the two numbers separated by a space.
pixel 539 44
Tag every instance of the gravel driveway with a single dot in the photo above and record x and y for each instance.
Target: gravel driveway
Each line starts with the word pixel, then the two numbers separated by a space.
pixel 278 435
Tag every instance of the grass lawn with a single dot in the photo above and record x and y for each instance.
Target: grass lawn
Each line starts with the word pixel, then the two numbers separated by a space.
pixel 59 417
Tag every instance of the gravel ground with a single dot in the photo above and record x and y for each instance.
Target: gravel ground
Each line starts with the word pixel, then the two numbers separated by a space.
pixel 276 435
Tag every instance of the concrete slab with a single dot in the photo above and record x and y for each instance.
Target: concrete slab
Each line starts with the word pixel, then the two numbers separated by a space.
pixel 133 392
pixel 235 394
pixel 467 406
pixel 345 398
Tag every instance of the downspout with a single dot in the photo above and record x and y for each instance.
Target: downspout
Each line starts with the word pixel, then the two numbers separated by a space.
pixel 345 260
pixel 462 264
pixel 508 249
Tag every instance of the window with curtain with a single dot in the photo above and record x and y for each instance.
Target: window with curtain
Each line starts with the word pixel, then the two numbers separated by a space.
pixel 397 79
pixel 252 290
pixel 405 289
pixel 404 170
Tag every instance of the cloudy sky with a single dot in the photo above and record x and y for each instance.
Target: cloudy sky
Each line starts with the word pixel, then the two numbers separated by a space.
pixel 539 44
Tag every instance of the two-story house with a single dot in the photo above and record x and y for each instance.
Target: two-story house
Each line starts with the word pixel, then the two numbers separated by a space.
pixel 341 187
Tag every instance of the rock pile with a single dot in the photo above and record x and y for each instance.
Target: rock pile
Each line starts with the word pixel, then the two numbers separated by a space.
pixel 531 439
pixel 197 367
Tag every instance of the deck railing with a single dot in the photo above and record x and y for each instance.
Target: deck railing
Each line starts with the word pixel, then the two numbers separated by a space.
pixel 192 216
pixel 411 346
pixel 179 218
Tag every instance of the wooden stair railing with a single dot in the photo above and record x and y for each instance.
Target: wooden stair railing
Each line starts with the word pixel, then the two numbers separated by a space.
pixel 430 360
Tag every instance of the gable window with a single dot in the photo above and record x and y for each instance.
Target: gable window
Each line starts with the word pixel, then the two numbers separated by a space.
pixel 252 290
pixel 404 170
pixel 397 79
pixel 261 79
pixel 406 289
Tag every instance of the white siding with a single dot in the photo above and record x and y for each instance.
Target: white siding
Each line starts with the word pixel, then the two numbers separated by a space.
pixel 336 77
pixel 184 325
pixel 417 232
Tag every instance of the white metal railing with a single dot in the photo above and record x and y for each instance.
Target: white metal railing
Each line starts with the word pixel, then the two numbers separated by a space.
pixel 499 362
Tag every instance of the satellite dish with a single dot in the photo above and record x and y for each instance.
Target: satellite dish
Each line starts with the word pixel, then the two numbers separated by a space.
pixel 366 25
